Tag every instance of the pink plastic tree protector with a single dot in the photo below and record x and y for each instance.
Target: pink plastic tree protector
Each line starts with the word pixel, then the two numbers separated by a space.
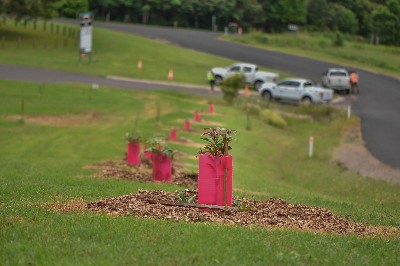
pixel 211 180
pixel 134 153
pixel 197 116
pixel 162 170
pixel 172 134
pixel 146 154
pixel 187 125
pixel 211 108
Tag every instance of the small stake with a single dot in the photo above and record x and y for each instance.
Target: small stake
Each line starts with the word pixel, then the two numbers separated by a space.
pixel 348 111
pixel 22 108
pixel 225 172
pixel 310 146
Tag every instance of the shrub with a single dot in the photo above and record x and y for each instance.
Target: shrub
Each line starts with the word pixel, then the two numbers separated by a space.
pixel 231 86
pixel 273 118
pixel 338 39
pixel 259 37
pixel 318 111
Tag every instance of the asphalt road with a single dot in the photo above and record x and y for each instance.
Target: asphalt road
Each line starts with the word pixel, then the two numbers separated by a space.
pixel 377 105
pixel 42 75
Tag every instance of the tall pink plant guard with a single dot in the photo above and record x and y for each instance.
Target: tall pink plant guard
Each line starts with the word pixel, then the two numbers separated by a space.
pixel 197 117
pixel 187 125
pixel 211 186
pixel 162 168
pixel 172 134
pixel 134 153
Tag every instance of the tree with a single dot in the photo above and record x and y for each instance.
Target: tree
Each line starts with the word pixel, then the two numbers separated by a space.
pixel 248 13
pixel 279 13
pixel 71 8
pixel 317 13
pixel 30 9
pixel 386 25
pixel 342 19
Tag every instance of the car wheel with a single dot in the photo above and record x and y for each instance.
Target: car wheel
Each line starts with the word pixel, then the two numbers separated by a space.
pixel 306 100
pixel 218 80
pixel 267 96
pixel 258 84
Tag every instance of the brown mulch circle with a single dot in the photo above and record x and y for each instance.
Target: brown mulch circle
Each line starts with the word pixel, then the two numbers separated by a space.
pixel 142 172
pixel 275 213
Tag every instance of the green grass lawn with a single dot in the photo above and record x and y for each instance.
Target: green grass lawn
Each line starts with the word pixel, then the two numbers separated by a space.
pixel 67 127
pixel 383 59
pixel 115 53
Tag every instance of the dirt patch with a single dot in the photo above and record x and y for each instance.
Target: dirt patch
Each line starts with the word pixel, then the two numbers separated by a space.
pixel 273 213
pixel 60 120
pixel 142 172
pixel 75 205
pixel 355 157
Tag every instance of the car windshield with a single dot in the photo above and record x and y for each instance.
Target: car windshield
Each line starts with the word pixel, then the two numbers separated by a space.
pixel 308 84
pixel 338 74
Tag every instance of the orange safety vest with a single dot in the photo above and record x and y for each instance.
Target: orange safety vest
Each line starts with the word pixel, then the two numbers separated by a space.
pixel 354 78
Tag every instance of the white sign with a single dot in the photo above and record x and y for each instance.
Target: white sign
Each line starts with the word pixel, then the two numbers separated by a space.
pixel 86 39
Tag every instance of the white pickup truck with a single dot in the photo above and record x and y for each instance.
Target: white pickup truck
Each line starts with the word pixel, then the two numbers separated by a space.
pixel 337 79
pixel 250 71
pixel 296 89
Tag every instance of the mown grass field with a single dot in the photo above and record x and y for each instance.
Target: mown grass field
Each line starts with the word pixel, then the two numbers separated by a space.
pixel 68 126
pixel 378 58
pixel 115 53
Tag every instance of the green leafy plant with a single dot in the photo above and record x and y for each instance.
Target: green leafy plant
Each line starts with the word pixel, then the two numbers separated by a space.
pixel 182 198
pixel 217 141
pixel 231 86
pixel 156 146
pixel 133 136
pixel 242 206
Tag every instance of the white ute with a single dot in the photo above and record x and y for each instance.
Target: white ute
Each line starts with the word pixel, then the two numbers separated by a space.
pixel 337 79
pixel 250 71
pixel 296 89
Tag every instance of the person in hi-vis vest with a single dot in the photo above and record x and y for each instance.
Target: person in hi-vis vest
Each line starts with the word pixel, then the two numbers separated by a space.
pixel 211 79
pixel 354 82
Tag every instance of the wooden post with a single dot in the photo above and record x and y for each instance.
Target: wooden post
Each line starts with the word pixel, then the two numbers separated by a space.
pixel 225 172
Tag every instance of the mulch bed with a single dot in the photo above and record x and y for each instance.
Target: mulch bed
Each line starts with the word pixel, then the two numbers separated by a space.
pixel 142 172
pixel 271 213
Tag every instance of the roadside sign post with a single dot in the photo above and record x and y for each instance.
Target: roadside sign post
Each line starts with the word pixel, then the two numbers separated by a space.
pixel 86 29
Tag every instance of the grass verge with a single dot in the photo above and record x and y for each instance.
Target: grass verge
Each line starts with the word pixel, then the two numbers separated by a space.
pixel 382 59
pixel 42 163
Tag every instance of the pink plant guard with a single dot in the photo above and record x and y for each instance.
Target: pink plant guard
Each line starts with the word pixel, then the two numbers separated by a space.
pixel 211 108
pixel 162 170
pixel 134 153
pixel 187 125
pixel 146 154
pixel 211 180
pixel 197 116
pixel 172 134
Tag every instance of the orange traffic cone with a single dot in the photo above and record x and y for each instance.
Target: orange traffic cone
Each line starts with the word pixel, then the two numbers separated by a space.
pixel 140 64
pixel 171 74
pixel 246 90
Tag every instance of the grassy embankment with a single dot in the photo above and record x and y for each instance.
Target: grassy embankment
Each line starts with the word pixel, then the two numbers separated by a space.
pixel 67 127
pixel 115 53
pixel 382 59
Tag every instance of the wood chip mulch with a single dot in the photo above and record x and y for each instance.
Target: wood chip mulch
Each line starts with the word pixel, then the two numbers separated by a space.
pixel 142 172
pixel 275 213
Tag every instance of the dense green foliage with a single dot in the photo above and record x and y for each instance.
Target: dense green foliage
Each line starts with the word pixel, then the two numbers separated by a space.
pixel 377 20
